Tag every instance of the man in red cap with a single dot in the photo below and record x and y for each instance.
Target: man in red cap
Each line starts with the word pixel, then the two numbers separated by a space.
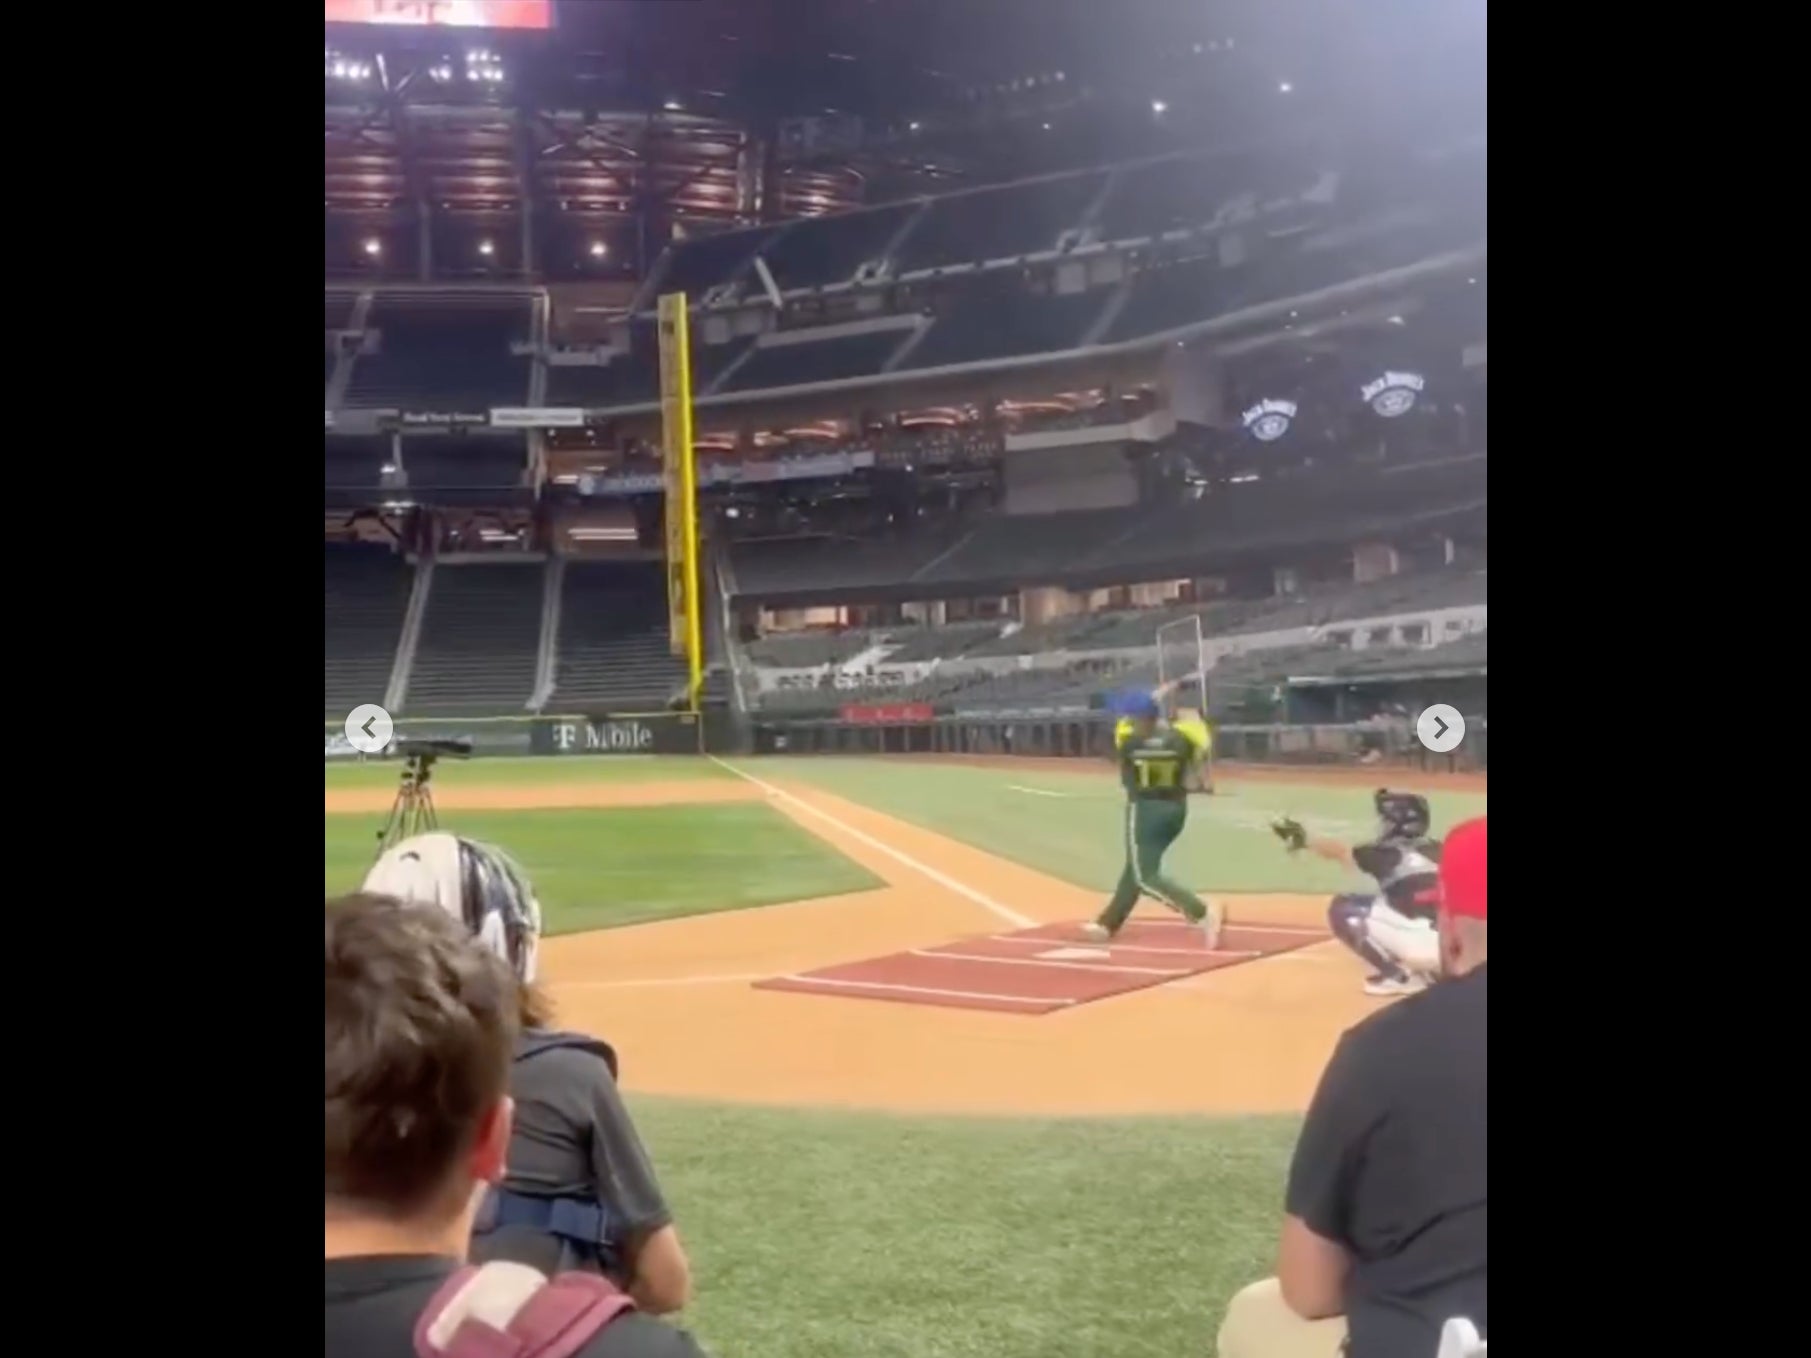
pixel 1463 918
pixel 1384 1237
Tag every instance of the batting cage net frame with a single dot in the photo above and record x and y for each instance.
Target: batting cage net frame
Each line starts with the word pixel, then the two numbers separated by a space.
pixel 1182 662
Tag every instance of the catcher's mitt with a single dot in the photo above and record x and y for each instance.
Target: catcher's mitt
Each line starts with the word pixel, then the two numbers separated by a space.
pixel 1291 832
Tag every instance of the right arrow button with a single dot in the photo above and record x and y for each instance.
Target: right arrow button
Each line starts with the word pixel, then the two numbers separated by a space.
pixel 1440 728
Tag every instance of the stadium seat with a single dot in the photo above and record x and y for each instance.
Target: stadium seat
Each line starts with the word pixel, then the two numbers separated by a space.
pixel 998 318
pixel 694 267
pixel 817 251
pixel 1004 223
pixel 614 651
pixel 476 462
pixel 367 596
pixel 633 378
pixel 480 640
pixel 355 463
pixel 824 360
pixel 444 351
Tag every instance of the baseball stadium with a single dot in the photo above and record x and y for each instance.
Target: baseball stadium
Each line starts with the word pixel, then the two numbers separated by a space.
pixel 774 453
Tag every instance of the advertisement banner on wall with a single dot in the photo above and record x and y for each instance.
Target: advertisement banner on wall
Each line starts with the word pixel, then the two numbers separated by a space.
pixel 435 419
pixel 663 734
pixel 888 714
pixel 537 417
pixel 1394 394
pixel 1269 420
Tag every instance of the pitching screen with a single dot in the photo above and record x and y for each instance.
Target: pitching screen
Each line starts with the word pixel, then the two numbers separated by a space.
pixel 534 15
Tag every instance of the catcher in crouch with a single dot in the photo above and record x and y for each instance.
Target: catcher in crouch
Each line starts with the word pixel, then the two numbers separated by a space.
pixel 1392 929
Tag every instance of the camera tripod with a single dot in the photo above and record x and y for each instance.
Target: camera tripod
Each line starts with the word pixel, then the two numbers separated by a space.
pixel 412 813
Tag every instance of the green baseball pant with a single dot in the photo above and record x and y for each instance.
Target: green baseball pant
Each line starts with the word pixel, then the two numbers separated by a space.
pixel 1151 827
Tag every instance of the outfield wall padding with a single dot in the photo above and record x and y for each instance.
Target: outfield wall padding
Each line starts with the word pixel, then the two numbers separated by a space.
pixel 634 733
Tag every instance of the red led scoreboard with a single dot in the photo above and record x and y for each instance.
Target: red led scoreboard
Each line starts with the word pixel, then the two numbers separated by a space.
pixel 519 14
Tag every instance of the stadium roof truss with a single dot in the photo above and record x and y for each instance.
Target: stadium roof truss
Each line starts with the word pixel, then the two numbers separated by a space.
pixel 404 152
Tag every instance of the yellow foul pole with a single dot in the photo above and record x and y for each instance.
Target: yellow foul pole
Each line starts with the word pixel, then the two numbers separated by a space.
pixel 680 471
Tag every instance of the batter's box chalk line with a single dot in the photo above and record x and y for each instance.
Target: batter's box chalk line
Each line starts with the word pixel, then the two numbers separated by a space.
pixel 1034 971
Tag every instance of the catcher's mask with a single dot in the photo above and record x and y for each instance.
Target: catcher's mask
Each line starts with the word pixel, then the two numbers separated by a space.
pixel 475 882
pixel 1402 815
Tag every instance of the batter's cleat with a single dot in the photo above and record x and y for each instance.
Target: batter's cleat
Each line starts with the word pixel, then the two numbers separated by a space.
pixel 1211 924
pixel 1407 983
pixel 1096 933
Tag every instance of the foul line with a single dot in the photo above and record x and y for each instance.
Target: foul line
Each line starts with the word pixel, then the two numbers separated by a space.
pixel 942 879
pixel 1048 962
pixel 792 981
pixel 1034 791
pixel 657 981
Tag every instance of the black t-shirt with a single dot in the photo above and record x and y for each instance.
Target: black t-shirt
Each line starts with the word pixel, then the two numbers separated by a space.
pixel 571 1137
pixel 374 1301
pixel 1392 1163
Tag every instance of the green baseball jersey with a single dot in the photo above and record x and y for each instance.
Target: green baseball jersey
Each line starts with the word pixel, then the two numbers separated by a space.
pixel 1155 768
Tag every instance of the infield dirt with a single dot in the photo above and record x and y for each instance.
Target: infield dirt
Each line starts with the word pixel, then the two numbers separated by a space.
pixel 677 997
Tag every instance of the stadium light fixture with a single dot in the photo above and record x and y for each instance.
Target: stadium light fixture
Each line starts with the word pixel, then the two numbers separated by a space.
pixel 483 67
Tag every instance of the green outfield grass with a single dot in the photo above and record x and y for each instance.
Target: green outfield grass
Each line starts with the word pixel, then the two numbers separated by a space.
pixel 1071 824
pixel 594 869
pixel 829 1235
pixel 612 769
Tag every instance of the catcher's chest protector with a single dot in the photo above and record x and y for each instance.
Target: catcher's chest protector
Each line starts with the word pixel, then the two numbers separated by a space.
pixel 504 1310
